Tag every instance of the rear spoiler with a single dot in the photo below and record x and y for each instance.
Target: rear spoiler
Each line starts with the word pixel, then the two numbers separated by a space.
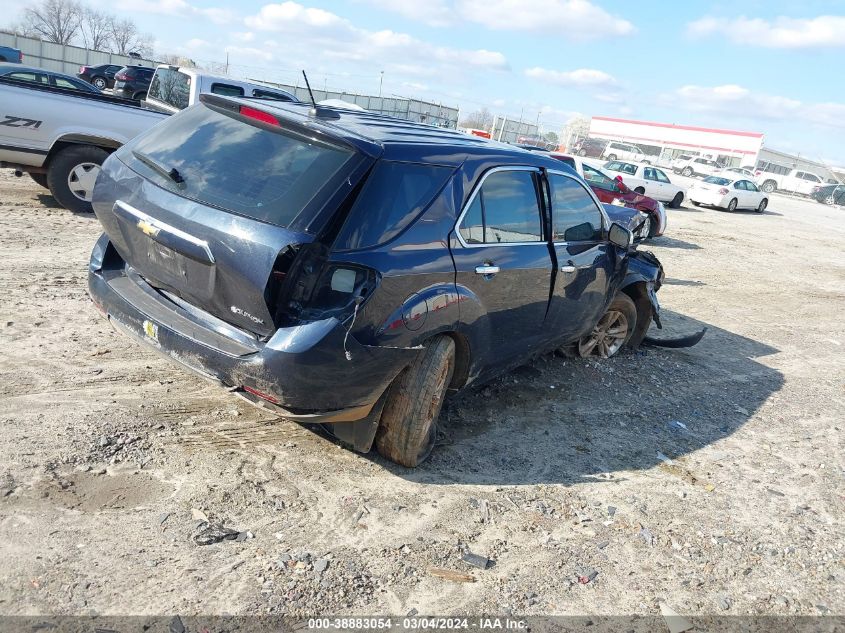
pixel 294 118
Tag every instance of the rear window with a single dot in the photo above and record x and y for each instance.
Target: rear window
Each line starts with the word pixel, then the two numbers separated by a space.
pixel 227 90
pixel 394 195
pixel 230 164
pixel 170 87
pixel 715 180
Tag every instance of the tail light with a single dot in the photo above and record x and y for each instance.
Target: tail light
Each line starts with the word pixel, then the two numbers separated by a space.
pixel 815 190
pixel 306 287
pixel 723 191
pixel 82 69
pixel 20 58
pixel 122 77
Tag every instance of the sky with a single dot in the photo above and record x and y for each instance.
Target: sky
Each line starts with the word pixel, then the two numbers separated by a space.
pixel 770 66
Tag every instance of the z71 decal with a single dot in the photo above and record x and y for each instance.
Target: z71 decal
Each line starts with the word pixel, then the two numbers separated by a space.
pixel 16 121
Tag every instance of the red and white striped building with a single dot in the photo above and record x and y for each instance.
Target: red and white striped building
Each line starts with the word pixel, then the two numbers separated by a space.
pixel 668 141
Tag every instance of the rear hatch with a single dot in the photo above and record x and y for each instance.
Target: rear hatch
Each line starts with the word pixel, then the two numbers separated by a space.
pixel 213 204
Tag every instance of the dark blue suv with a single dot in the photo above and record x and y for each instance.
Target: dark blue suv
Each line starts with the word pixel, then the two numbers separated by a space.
pixel 349 269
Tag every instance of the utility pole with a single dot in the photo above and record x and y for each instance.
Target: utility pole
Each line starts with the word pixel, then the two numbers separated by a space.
pixel 380 82
pixel 227 63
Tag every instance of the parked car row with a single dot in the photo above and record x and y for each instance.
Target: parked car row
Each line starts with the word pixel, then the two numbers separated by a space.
pixel 829 194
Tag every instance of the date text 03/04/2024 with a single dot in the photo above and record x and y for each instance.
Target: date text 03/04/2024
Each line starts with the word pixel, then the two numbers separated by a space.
pixel 416 624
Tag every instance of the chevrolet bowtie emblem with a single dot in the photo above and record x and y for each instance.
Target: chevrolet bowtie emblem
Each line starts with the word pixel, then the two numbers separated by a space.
pixel 148 228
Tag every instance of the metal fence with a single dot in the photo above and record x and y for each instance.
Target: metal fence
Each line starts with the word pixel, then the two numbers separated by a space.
pixel 515 131
pixel 64 58
pixel 399 107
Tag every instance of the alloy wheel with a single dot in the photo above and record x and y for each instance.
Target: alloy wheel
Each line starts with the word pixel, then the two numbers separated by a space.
pixel 607 337
pixel 81 180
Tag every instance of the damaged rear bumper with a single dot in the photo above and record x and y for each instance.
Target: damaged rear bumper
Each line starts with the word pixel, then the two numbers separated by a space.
pixel 301 373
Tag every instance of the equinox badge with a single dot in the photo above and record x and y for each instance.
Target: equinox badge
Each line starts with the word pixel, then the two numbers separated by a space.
pixel 246 314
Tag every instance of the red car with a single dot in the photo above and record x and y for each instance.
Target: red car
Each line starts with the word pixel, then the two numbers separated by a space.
pixel 612 191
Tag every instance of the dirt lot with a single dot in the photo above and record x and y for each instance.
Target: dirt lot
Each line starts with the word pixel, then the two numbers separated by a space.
pixel 709 479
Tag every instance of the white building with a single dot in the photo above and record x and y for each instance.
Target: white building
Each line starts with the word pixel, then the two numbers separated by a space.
pixel 668 141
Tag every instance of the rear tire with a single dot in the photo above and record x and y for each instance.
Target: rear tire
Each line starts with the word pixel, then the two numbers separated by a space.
pixel 732 205
pixel 408 426
pixel 687 171
pixel 769 186
pixel 99 83
pixel 761 208
pixel 67 169
pixel 677 201
pixel 139 96
pixel 582 152
pixel 40 179
pixel 611 157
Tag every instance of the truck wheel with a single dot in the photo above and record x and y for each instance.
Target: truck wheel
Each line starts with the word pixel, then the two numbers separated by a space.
pixel 408 425
pixel 687 171
pixel 72 174
pixel 769 186
pixel 40 179
pixel 612 332
pixel 611 157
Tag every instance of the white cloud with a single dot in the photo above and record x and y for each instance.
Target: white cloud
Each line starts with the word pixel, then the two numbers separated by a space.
pixel 782 32
pixel 333 37
pixel 430 12
pixel 250 52
pixel 583 77
pixel 244 36
pixel 737 102
pixel 574 19
pixel 178 8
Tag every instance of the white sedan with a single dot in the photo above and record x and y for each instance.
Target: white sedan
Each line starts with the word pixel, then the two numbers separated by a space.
pixel 647 180
pixel 729 194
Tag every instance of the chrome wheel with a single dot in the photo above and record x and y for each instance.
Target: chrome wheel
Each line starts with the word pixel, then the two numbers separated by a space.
pixel 607 337
pixel 829 199
pixel 81 180
pixel 732 205
pixel 100 83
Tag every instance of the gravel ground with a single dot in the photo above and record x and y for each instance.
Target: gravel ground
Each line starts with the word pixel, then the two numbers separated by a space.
pixel 709 479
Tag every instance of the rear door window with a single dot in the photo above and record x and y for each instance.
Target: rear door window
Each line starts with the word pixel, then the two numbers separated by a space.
pixel 393 196
pixel 171 87
pixel 597 179
pixel 225 162
pixel 509 210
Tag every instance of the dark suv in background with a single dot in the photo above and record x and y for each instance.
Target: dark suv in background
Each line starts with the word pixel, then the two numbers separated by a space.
pixel 349 269
pixel 132 82
pixel 101 76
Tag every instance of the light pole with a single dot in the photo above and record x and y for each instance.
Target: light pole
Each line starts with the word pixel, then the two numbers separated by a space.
pixel 380 83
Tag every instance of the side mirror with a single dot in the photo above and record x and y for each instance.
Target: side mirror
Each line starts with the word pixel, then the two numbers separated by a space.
pixel 620 236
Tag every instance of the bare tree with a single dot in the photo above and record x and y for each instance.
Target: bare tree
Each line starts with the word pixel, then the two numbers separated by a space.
pixel 53 20
pixel 95 28
pixel 480 119
pixel 126 39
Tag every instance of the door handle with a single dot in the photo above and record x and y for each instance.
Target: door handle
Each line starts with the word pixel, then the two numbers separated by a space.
pixel 487 269
pixel 568 269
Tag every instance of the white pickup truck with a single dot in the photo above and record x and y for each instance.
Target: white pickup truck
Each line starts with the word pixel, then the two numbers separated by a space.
pixel 796 181
pixel 60 137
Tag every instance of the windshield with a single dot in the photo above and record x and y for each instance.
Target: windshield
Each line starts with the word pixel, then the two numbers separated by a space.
pixel 225 162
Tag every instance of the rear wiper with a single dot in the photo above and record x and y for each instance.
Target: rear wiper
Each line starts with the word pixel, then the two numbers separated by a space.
pixel 173 174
